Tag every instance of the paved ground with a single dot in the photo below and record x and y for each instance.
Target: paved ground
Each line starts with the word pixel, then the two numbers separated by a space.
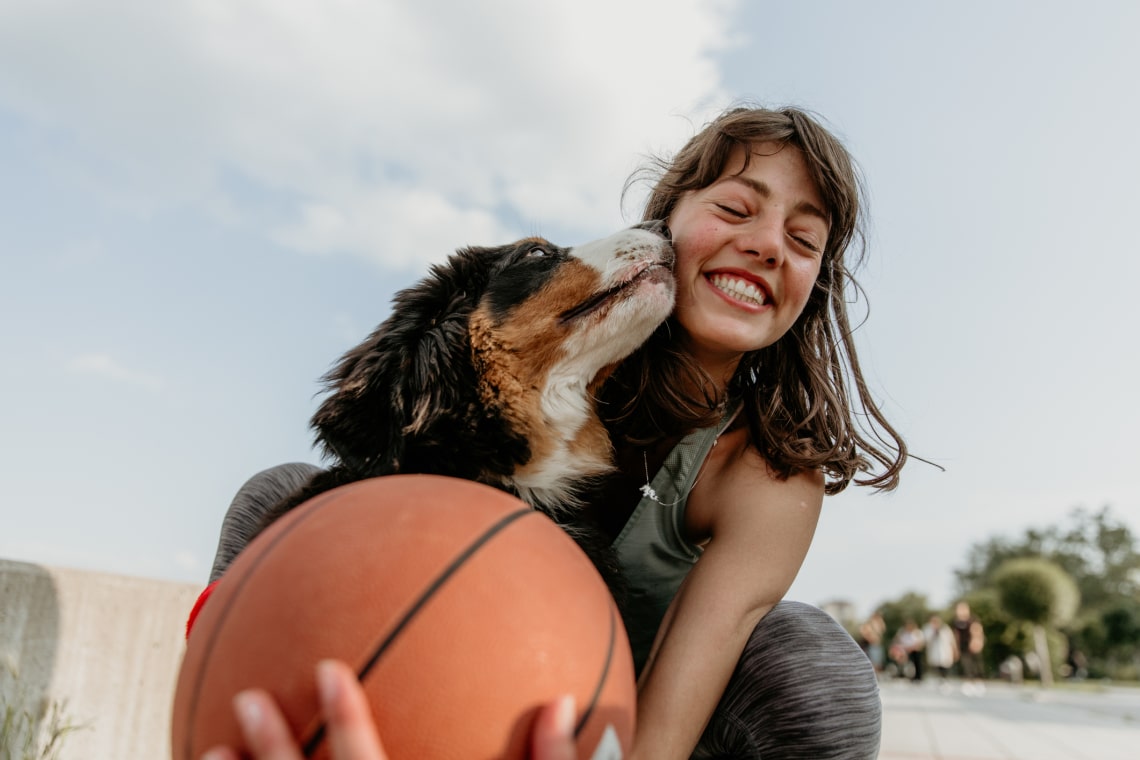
pixel 938 722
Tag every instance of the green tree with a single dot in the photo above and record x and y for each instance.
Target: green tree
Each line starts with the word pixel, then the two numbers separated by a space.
pixel 1119 625
pixel 1101 553
pixel 1039 592
pixel 1097 549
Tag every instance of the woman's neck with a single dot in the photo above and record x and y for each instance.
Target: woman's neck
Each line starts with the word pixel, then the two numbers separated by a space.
pixel 719 366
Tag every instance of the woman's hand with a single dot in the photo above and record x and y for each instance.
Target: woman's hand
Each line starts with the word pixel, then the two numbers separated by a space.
pixel 352 733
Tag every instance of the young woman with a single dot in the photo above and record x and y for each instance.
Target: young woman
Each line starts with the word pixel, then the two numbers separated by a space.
pixel 730 425
pixel 741 410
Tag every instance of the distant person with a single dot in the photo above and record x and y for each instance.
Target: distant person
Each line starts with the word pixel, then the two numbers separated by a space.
pixel 970 637
pixel 1076 664
pixel 941 647
pixel 872 632
pixel 913 643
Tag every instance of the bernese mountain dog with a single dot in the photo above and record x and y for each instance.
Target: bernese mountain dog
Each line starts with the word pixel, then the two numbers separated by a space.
pixel 487 370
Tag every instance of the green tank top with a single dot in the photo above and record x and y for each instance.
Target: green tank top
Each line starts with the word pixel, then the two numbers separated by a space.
pixel 652 549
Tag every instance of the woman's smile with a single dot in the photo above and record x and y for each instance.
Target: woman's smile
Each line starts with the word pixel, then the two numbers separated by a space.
pixel 738 288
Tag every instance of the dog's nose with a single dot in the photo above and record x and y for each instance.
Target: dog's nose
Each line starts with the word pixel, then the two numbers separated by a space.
pixel 655 225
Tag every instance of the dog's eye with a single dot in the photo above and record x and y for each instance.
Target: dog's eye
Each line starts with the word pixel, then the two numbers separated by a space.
pixel 537 251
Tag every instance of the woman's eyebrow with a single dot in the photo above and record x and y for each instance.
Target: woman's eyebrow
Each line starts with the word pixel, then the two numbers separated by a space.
pixel 761 188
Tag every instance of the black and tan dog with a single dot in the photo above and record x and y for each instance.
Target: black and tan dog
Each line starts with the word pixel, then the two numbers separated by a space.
pixel 486 370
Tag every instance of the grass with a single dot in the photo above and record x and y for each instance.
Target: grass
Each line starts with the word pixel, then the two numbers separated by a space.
pixel 31 729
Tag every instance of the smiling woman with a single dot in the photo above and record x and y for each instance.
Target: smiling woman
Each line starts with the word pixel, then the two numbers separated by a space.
pixel 739 403
pixel 738 413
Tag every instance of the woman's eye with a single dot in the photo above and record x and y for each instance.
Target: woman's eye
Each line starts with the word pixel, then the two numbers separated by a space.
pixel 806 243
pixel 731 211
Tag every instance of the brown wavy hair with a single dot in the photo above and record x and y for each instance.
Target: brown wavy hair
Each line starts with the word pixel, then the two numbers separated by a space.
pixel 797 393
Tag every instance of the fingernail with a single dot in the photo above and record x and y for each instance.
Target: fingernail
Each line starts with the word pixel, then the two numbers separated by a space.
pixel 249 711
pixel 564 715
pixel 327 684
pixel 214 754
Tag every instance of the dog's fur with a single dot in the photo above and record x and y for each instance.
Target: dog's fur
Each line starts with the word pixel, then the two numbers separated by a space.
pixel 485 370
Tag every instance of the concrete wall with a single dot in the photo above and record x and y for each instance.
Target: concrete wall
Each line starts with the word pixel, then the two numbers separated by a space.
pixel 108 646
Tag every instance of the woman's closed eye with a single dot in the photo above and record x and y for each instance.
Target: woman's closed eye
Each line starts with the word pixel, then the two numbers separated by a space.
pixel 730 210
pixel 806 242
pixel 803 239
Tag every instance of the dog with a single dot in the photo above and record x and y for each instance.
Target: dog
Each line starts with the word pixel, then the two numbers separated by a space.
pixel 487 368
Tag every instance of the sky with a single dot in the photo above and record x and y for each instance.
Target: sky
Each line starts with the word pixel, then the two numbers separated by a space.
pixel 205 203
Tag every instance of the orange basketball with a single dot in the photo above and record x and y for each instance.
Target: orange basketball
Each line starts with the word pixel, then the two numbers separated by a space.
pixel 462 610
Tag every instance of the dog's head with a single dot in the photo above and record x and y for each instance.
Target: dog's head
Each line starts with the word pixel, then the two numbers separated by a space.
pixel 493 355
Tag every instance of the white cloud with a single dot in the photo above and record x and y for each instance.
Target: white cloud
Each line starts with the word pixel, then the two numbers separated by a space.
pixel 373 124
pixel 409 225
pixel 102 365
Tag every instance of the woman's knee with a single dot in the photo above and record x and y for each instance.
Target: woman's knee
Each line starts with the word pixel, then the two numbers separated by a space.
pixel 802 689
pixel 256 496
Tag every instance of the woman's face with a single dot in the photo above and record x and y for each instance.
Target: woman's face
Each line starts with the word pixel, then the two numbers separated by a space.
pixel 749 248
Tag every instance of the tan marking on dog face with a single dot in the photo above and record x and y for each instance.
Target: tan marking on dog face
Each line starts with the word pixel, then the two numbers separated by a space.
pixel 541 364
pixel 512 374
pixel 514 358
pixel 573 283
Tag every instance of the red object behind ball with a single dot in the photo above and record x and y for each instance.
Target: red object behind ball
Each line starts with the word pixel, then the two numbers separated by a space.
pixel 462 609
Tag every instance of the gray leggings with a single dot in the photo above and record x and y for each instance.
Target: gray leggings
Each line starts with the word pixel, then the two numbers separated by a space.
pixel 803 689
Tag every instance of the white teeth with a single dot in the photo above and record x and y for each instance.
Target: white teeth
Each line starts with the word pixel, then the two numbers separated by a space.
pixel 738 288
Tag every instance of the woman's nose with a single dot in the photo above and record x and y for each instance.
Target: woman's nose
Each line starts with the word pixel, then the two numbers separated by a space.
pixel 763 240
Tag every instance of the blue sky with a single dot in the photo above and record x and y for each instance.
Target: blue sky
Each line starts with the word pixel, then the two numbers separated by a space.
pixel 205 203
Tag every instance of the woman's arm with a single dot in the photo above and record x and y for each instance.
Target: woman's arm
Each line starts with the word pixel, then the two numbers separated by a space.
pixel 759 529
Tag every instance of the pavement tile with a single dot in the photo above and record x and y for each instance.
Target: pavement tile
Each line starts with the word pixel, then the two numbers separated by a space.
pixel 933 721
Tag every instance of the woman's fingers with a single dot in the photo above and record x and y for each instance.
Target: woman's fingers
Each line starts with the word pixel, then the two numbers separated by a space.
pixel 266 733
pixel 553 737
pixel 352 733
pixel 221 753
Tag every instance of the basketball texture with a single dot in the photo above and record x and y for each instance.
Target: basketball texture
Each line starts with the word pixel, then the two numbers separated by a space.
pixel 462 610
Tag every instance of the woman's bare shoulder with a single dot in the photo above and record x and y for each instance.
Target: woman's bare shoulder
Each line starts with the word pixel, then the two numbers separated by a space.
pixel 737 478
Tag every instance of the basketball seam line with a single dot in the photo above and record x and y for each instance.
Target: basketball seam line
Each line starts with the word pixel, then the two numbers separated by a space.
pixel 318 735
pixel 601 679
pixel 201 675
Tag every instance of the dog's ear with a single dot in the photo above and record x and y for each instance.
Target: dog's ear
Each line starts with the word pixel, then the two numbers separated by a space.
pixel 415 367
